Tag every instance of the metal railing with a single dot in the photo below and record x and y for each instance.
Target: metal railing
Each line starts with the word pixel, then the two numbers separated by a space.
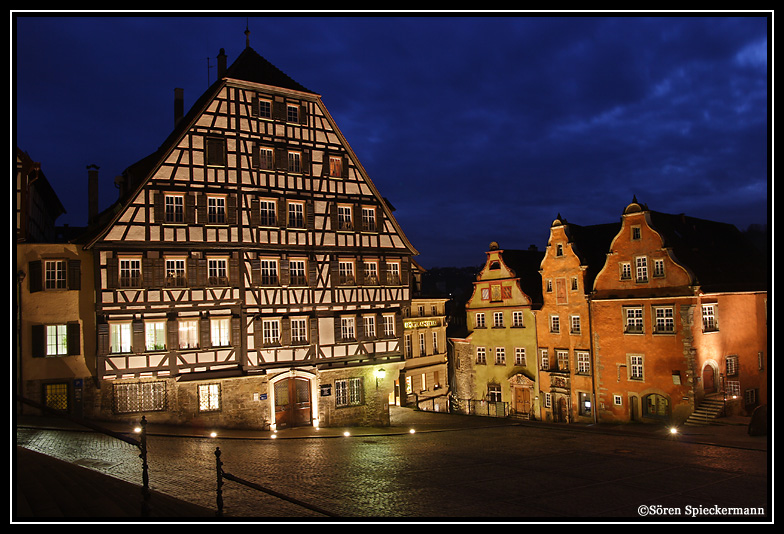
pixel 483 408
pixel 141 443
pixel 221 474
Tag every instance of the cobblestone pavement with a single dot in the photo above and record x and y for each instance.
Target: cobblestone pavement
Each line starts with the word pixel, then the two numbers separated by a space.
pixel 507 472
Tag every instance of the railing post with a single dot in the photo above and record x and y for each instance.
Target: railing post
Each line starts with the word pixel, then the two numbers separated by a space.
pixel 145 475
pixel 219 475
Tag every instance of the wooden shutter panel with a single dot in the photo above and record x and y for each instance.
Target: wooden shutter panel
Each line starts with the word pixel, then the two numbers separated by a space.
pixel 35 275
pixel 74 274
pixel 255 212
pixel 255 156
pixel 173 332
pixel 313 324
pixel 310 215
pixel 312 274
pixel 305 162
pixel 74 339
pixel 258 338
pixel 285 331
pixel 279 110
pixel 282 213
pixel 281 159
pixel 234 272
pixel 236 331
pixel 112 272
pixel 284 269
pixel 254 106
pixel 338 337
pixel 190 209
pixel 303 114
pixel 158 210
pixel 204 332
pixel 255 271
pixel 344 167
pixel 231 209
pixel 148 273
pixel 38 341
pixel 201 209
pixel 137 337
pixel 103 339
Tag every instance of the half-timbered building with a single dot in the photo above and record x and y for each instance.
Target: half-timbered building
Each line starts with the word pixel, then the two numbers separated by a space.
pixel 251 274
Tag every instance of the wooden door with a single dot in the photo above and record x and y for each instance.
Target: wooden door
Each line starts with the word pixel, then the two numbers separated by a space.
pixel 292 402
pixel 522 400
pixel 708 380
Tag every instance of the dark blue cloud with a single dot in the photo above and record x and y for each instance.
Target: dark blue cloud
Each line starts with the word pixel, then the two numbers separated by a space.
pixel 477 129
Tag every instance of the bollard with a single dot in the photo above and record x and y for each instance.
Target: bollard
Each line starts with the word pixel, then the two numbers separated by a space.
pixel 145 475
pixel 219 471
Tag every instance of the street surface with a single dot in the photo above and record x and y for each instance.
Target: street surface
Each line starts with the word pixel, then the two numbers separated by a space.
pixel 506 472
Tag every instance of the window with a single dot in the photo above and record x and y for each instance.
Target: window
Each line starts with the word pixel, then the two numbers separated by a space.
pixel 348 392
pixel 563 359
pixel 346 273
pixel 493 393
pixel 422 347
pixel 574 283
pixel 217 272
pixel 139 397
pixel 216 152
pixel 393 274
pixel 665 321
pixel 174 210
pixel 520 356
pixel 292 113
pixel 555 324
pixel 389 325
pixel 618 400
pixel 583 363
pixel 344 218
pixel 120 338
pixel 188 330
pixel 266 158
pixel 369 325
pixel 297 274
pixel 626 270
pixel 731 364
pixel 299 330
pixel 408 347
pixel 335 166
pixel 347 328
pixel 636 232
pixel 641 266
pixel 56 340
pixel 634 320
pixel 269 217
pixel 574 324
pixel 549 286
pixel 265 109
pixel 559 250
pixel 498 319
pixel 733 388
pixel 658 268
pixel 500 356
pixel 270 330
pixel 479 321
pixel 583 403
pixel 435 342
pixel 709 322
pixel 635 367
pixel 371 273
pixel 548 400
pixel 130 273
pixel 269 272
pixel 295 162
pixel 216 210
pixel 175 272
pixel 55 274
pixel 481 355
pixel 220 329
pixel 155 335
pixel 369 219
pixel 517 319
pixel 296 215
pixel 209 397
pixel 544 360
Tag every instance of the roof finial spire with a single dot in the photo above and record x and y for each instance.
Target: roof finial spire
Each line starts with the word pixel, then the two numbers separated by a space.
pixel 247 34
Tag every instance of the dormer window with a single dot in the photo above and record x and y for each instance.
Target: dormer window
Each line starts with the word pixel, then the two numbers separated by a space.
pixel 559 250
pixel 636 233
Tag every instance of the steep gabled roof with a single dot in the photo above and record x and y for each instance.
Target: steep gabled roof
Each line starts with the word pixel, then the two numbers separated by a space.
pixel 525 264
pixel 591 244
pixel 252 67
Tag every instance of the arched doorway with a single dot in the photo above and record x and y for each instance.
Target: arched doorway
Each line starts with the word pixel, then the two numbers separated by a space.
pixel 292 402
pixel 655 405
pixel 708 379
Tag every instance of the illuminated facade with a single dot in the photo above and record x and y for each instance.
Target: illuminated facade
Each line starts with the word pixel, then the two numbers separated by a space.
pixel 495 364
pixel 658 310
pixel 251 275
pixel 563 324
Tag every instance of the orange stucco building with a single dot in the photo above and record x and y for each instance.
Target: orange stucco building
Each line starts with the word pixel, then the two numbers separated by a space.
pixel 678 315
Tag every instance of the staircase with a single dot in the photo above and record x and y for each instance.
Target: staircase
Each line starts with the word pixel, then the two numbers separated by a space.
pixel 709 409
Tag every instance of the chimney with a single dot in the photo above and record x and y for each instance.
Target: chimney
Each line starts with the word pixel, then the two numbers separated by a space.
pixel 92 193
pixel 178 105
pixel 221 63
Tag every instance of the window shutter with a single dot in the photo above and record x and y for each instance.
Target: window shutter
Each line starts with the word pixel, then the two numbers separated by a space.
pixel 312 274
pixel 38 341
pixel 173 332
pixel 333 217
pixel 74 274
pixel 306 162
pixel 148 274
pixel 190 209
pixel 338 337
pixel 282 212
pixel 279 110
pixel 112 273
pixel 281 159
pixel 255 271
pixel 201 209
pixel 137 343
pixel 313 323
pixel 204 332
pixel 303 114
pixel 236 331
pixel 310 215
pixel 234 272
pixel 255 212
pixel 344 168
pixel 36 276
pixel 255 156
pixel 158 211
pixel 231 209
pixel 284 271
pixel 74 339
pixel 285 331
pixel 103 339
pixel 254 106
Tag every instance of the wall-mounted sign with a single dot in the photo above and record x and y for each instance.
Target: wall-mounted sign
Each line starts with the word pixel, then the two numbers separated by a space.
pixel 421 323
pixel 326 390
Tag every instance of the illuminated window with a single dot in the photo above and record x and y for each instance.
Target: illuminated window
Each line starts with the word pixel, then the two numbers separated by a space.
pixel 634 320
pixel 635 366
pixel 55 274
pixel 56 340
pixel 130 273
pixel 188 330
pixel 479 320
pixel 270 330
pixel 299 330
pixel 349 392
pixel 56 396
pixel 220 330
pixel 665 320
pixel 709 321
pixel 369 325
pixel 209 397
pixel 139 397
pixel 347 329
pixel 120 338
pixel 175 272
pixel 641 266
pixel 155 335
pixel 389 325
pixel 336 166
pixel 583 363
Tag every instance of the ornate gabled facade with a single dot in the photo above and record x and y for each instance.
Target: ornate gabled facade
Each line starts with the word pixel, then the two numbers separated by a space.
pixel 667 284
pixel 251 273
pixel 565 354
pixel 495 364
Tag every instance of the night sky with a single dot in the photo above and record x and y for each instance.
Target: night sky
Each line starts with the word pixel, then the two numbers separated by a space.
pixel 476 128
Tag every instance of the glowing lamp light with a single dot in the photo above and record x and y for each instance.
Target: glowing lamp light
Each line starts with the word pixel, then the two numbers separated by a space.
pixel 411 431
pixel 138 429
pixel 380 374
pixel 213 434
pixel 673 431
pixel 346 433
